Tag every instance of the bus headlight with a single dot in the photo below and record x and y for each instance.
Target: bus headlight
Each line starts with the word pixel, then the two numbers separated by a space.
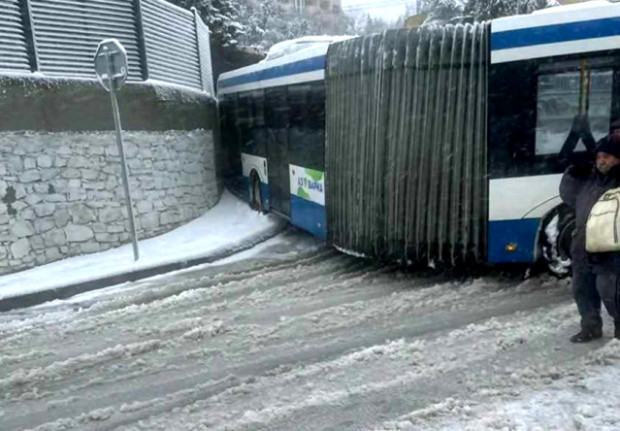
pixel 512 247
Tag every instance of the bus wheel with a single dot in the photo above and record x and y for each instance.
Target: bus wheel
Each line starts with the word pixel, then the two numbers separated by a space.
pixel 556 237
pixel 256 201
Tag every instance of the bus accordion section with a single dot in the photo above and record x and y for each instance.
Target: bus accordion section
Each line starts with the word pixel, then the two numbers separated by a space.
pixel 406 161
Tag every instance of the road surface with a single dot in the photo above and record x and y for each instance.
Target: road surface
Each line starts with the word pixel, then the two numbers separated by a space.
pixel 296 336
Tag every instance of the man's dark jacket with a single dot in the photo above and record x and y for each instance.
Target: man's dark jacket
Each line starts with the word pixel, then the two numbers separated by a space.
pixel 581 188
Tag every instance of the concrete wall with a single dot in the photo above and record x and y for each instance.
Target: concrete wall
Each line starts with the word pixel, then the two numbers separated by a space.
pixel 61 190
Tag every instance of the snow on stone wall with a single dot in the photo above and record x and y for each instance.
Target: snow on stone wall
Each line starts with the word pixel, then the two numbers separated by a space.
pixel 61 194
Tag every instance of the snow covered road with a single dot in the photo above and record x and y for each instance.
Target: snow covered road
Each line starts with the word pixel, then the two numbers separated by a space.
pixel 294 336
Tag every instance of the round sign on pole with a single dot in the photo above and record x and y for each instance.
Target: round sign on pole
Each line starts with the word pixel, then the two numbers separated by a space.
pixel 111 70
pixel 111 64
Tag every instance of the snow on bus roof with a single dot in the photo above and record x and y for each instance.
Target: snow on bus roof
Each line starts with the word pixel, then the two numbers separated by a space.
pixel 290 46
pixel 316 46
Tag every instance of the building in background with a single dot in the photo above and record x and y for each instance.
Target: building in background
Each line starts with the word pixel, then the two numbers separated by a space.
pixel 415 21
pixel 314 6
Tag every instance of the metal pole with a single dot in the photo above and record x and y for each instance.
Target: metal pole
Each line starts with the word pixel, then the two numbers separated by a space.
pixel 144 58
pixel 121 150
pixel 30 35
pixel 200 65
pixel 588 89
pixel 582 74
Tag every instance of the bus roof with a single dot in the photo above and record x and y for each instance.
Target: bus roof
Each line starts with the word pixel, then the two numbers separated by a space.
pixel 290 46
pixel 296 61
pixel 586 27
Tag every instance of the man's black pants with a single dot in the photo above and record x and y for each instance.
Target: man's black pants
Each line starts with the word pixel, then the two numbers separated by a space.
pixel 589 289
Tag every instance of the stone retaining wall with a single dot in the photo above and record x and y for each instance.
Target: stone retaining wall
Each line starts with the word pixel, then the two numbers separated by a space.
pixel 61 193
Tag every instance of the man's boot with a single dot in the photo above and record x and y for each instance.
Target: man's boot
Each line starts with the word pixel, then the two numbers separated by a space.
pixel 587 335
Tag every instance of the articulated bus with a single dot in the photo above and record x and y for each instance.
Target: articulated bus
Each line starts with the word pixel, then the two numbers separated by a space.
pixel 437 144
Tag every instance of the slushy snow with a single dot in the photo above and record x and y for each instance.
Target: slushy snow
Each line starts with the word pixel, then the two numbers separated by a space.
pixel 292 335
pixel 226 226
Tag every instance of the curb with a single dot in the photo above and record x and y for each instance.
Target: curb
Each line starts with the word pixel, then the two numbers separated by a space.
pixel 70 290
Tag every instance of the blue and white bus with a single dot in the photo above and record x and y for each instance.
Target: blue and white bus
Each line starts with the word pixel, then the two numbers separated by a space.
pixel 439 144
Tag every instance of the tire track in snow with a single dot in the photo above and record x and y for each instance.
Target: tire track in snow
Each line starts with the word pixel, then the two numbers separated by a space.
pixel 315 341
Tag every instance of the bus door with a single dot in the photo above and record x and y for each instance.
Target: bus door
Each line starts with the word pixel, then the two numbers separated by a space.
pixel 307 152
pixel 277 113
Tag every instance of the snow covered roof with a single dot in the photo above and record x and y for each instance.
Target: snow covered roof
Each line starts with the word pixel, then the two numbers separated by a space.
pixel 295 61
pixel 291 46
pixel 556 31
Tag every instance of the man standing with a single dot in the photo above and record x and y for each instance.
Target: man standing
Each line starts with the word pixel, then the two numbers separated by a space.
pixel 596 277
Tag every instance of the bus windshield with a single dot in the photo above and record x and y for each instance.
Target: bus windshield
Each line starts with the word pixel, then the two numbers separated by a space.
pixel 562 96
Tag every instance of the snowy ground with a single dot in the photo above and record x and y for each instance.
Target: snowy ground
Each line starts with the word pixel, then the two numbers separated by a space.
pixel 228 225
pixel 292 336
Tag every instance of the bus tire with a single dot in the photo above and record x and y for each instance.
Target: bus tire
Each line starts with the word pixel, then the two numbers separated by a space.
pixel 555 240
pixel 256 199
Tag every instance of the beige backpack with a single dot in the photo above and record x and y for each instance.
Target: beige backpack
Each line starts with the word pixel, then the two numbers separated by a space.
pixel 603 227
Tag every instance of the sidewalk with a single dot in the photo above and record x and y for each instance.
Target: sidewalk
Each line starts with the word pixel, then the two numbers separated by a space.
pixel 229 227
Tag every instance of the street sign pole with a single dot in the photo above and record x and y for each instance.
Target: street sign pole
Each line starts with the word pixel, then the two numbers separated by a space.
pixel 111 68
pixel 121 151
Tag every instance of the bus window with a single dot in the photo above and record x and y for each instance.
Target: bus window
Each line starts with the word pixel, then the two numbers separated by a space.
pixel 243 116
pixel 277 119
pixel 257 144
pixel 298 97
pixel 317 106
pixel 276 108
pixel 316 125
pixel 230 140
pixel 562 96
pixel 512 119
pixel 308 125
pixel 250 122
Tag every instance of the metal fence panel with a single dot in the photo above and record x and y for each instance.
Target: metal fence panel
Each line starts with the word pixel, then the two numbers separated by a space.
pixel 59 38
pixel 13 44
pixel 69 31
pixel 171 43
